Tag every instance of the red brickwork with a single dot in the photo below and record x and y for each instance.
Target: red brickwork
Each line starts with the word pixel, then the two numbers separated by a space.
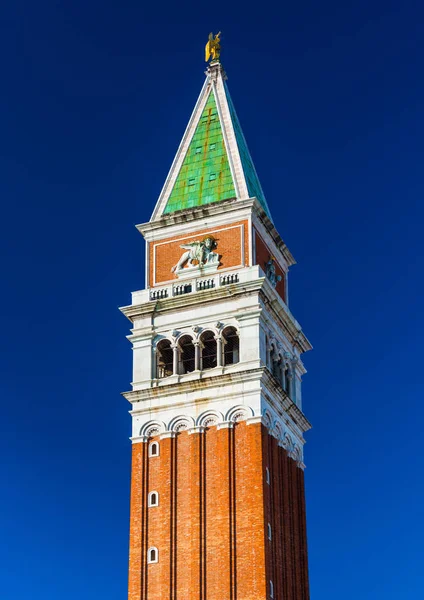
pixel 233 248
pixel 211 525
pixel 263 254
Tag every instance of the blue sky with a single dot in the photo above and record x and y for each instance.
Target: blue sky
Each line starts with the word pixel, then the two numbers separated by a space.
pixel 95 98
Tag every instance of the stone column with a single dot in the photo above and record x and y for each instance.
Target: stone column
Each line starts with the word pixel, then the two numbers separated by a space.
pixel 218 351
pixel 196 345
pixel 175 358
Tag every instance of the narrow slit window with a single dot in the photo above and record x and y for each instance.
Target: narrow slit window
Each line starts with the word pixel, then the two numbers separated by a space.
pixel 271 589
pixel 154 449
pixel 153 499
pixel 152 555
pixel 269 532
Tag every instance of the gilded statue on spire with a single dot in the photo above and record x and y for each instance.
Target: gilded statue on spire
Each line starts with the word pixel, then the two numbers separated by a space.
pixel 213 47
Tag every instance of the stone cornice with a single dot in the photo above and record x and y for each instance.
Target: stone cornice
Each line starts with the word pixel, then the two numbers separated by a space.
pixel 284 407
pixel 179 302
pixel 179 387
pixel 150 229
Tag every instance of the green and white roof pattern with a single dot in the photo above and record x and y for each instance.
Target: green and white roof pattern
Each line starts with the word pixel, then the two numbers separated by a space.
pixel 213 162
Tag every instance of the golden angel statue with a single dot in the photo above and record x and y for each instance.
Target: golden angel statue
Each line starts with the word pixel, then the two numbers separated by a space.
pixel 213 47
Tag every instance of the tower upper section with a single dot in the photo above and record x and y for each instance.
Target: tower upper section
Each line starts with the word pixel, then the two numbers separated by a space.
pixel 212 329
pixel 213 162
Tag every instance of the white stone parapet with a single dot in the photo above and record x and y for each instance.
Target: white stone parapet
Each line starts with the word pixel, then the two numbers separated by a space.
pixel 196 284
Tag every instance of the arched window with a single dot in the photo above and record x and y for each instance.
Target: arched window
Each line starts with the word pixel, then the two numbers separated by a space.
pixel 154 449
pixel 152 555
pixel 208 346
pixel 271 589
pixel 153 499
pixel 231 346
pixel 269 532
pixel 267 476
pixel 277 367
pixel 187 354
pixel 287 381
pixel 267 353
pixel 164 359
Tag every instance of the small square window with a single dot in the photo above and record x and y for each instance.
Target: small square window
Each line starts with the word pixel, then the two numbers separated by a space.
pixel 212 176
pixel 192 181
pixel 198 150
pixel 212 146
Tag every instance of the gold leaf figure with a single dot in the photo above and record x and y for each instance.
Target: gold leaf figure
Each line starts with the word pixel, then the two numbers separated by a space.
pixel 213 47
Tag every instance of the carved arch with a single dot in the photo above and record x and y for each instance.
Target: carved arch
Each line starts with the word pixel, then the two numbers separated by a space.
pixel 181 423
pixel 152 428
pixel 209 418
pixel 239 413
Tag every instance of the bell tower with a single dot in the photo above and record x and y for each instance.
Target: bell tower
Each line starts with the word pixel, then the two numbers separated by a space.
pixel 217 488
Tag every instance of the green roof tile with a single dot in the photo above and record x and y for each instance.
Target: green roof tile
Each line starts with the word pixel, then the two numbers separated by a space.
pixel 205 174
pixel 253 186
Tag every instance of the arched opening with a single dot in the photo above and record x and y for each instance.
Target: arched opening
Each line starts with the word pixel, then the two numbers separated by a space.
pixel 153 499
pixel 164 359
pixel 187 354
pixel 208 345
pixel 231 346
pixel 152 555
pixel 277 367
pixel 154 449
pixel 271 589
pixel 287 381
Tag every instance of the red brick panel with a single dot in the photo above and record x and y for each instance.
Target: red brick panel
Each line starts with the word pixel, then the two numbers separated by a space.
pixel 157 533
pixel 184 502
pixel 233 243
pixel 194 515
pixel 218 541
pixel 250 537
pixel 136 524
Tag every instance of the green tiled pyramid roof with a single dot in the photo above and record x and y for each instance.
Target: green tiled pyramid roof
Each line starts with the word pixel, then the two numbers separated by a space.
pixel 205 174
pixel 253 186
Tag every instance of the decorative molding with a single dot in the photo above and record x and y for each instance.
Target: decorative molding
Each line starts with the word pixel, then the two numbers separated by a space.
pixel 225 425
pixel 167 434
pixel 276 426
pixel 196 430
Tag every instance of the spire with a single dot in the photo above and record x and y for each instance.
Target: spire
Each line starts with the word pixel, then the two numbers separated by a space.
pixel 213 162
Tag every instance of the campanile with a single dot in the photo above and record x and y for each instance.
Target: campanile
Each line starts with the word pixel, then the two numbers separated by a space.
pixel 217 488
